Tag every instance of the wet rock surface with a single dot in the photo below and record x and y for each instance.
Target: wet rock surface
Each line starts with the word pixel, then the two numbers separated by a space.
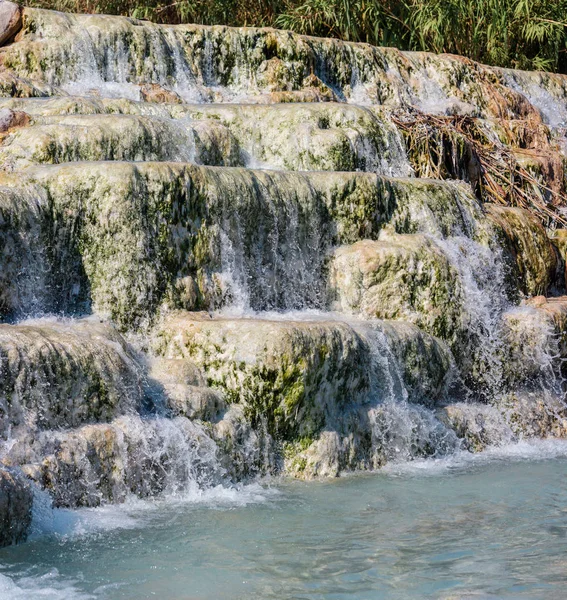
pixel 54 376
pixel 16 499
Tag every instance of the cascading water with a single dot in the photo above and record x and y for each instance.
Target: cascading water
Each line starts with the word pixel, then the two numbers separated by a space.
pixel 481 274
pixel 131 194
pixel 401 430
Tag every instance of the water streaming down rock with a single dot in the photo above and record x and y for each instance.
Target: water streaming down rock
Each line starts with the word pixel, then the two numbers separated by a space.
pixel 403 390
pixel 84 421
pixel 326 312
pixel 331 137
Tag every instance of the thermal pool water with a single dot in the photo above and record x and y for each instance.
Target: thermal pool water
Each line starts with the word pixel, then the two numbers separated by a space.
pixel 471 526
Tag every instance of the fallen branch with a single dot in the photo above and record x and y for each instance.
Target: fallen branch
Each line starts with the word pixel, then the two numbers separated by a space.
pixel 501 179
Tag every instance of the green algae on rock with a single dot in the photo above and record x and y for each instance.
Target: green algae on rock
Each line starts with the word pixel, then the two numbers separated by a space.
pixel 403 277
pixel 528 247
pixel 297 376
pixel 137 235
pixel 300 377
pixel 55 375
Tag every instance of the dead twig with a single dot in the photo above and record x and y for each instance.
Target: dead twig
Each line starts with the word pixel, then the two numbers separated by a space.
pixel 502 179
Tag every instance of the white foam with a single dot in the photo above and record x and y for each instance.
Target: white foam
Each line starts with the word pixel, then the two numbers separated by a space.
pixel 136 512
pixel 552 108
pixel 525 450
pixel 308 314
pixel 70 523
pixel 49 586
pixel 57 319
pixel 359 96
pixel 105 89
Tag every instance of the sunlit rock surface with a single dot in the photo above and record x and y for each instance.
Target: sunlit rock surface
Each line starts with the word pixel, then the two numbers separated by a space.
pixel 528 247
pixel 298 379
pixel 404 277
pixel 127 237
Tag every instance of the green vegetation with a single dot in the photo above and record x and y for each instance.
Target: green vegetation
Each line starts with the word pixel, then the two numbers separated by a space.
pixel 525 34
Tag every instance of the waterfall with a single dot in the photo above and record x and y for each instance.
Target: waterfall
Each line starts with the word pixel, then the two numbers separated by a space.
pixel 242 204
pixel 481 273
pixel 401 430
pixel 273 248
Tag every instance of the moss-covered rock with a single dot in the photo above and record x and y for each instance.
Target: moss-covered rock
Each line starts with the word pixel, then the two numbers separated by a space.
pixel 56 375
pixel 330 137
pixel 133 237
pixel 182 386
pixel 530 400
pixel 513 417
pixel 426 364
pixel 334 137
pixel 530 253
pixel 100 137
pixel 302 385
pixel 478 425
pixel 558 240
pixel 57 49
pixel 25 265
pixel 245 451
pixel 292 376
pixel 404 277
pixel 108 462
pixel 298 377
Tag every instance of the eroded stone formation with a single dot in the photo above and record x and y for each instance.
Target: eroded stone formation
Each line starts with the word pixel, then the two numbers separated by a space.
pixel 227 253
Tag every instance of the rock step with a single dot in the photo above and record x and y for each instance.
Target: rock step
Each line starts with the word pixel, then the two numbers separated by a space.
pixel 300 136
pixel 60 374
pixel 206 237
pixel 531 404
pixel 321 365
pixel 296 376
pixel 335 138
pixel 131 236
pixel 322 387
pixel 414 276
pixel 314 391
pixel 108 462
pixel 222 63
pixel 300 380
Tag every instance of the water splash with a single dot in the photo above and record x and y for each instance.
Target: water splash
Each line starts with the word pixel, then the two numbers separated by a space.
pixel 518 451
pixel 111 81
pixel 403 432
pixel 552 108
pixel 534 350
pixel 49 586
pixel 481 275
pixel 400 430
pixel 101 463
